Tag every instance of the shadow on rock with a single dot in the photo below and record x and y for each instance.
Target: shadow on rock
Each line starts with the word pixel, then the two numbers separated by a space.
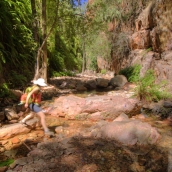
pixel 89 154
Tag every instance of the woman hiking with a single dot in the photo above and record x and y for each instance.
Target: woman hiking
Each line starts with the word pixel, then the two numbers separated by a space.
pixel 33 100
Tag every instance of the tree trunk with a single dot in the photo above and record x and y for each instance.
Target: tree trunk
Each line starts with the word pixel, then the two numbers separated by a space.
pixel 35 21
pixel 41 64
pixel 35 34
pixel 44 48
pixel 41 70
pixel 84 58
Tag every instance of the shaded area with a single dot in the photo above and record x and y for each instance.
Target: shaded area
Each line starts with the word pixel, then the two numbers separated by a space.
pixel 88 154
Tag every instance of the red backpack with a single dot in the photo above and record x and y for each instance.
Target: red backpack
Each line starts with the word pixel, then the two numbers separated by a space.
pixel 36 97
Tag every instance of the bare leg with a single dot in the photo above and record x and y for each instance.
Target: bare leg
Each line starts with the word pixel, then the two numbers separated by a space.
pixel 39 121
pixel 43 123
pixel 41 115
pixel 31 115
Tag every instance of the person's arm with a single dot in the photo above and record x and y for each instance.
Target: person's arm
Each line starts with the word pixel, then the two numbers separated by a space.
pixel 36 89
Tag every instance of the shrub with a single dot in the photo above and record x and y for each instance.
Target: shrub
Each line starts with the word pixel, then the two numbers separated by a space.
pixel 63 73
pixel 120 45
pixel 17 79
pixel 132 73
pixel 147 90
pixel 6 163
pixel 103 71
pixel 5 91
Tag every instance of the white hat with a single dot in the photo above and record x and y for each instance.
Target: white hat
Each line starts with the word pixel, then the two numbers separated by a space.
pixel 40 82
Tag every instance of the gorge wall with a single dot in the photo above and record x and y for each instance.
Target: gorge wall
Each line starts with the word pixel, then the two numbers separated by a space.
pixel 148 37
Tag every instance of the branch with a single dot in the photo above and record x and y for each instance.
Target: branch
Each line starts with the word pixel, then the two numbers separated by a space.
pixel 52 27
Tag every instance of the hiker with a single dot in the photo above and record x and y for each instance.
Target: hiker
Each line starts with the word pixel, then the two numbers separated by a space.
pixel 32 101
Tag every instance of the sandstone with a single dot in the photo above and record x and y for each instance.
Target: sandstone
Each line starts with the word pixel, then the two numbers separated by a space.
pixel 15 140
pixel 127 131
pixel 3 169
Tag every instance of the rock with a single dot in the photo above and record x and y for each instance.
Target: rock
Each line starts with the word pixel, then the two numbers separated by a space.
pixel 10 113
pixel 102 82
pixel 96 116
pixel 10 153
pixel 16 129
pixel 81 87
pixel 59 129
pixel 91 84
pixel 128 132
pixel 2 116
pixel 118 81
pixel 20 161
pixel 108 106
pixel 15 140
pixel 3 169
pixel 145 19
pixel 19 108
pixel 168 104
pixel 140 40
pixel 122 117
pixel 17 93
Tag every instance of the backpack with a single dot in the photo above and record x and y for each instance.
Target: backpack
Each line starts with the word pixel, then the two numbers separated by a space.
pixel 35 98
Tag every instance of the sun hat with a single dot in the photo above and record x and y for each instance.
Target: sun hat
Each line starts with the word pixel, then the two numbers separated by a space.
pixel 40 82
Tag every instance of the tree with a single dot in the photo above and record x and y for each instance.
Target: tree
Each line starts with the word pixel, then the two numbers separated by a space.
pixel 16 42
pixel 41 59
pixel 63 19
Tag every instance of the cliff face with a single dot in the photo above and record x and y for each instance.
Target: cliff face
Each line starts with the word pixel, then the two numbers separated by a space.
pixel 149 40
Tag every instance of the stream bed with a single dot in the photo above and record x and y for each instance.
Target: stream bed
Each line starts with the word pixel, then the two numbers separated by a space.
pixel 73 150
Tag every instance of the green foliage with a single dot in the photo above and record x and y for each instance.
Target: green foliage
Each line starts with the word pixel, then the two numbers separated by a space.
pixel 148 90
pixel 99 46
pixel 56 61
pixel 16 42
pixel 103 71
pixel 63 73
pixel 146 51
pixel 119 13
pixel 17 79
pixel 64 44
pixel 6 163
pixel 104 11
pixel 120 46
pixel 93 64
pixel 4 90
pixel 99 39
pixel 132 73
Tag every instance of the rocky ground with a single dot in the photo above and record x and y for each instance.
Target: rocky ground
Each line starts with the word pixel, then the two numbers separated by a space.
pixel 73 149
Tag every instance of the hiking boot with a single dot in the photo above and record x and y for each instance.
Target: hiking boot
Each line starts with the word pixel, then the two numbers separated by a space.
pixel 22 122
pixel 50 133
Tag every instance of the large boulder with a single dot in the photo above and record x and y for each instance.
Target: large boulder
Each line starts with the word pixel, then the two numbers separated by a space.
pixel 102 82
pixel 12 130
pixel 118 81
pixel 101 107
pixel 127 131
pixel 10 113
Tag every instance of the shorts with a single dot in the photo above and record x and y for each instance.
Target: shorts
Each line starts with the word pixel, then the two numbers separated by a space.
pixel 35 108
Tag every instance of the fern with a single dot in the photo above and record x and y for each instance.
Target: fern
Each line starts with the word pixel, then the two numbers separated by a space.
pixel 6 163
pixel 132 73
pixel 148 90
